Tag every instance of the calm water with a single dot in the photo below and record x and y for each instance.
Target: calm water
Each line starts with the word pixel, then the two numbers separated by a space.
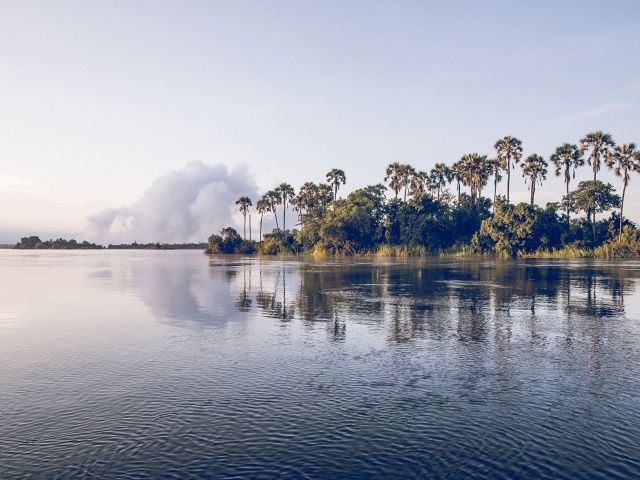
pixel 172 364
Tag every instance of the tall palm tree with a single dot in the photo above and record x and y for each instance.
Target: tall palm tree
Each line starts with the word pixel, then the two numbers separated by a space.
pixel 474 173
pixel 336 178
pixel 274 199
pixel 432 184
pixel 418 184
pixel 567 157
pixel 245 203
pixel 406 172
pixel 263 206
pixel 286 192
pixel 622 160
pixel 535 168
pixel 483 172
pixel 509 150
pixel 495 168
pixel 599 143
pixel 394 177
pixel 457 173
pixel 324 195
pixel 440 174
pixel 307 197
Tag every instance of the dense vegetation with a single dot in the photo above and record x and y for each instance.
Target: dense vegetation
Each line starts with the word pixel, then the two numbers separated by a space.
pixel 34 242
pixel 158 246
pixel 424 217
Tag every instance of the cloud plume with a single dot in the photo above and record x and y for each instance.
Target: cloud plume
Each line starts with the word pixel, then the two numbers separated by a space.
pixel 185 205
pixel 593 112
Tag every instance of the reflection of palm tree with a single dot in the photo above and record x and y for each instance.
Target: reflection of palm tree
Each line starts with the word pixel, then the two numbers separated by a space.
pixel 268 301
pixel 534 167
pixel 244 300
pixel 336 178
pixel 245 203
pixel 567 157
pixel 623 160
pixel 509 152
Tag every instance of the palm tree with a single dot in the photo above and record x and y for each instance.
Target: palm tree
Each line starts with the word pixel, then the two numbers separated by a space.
pixel 440 174
pixel 324 195
pixel 599 143
pixel 622 160
pixel 534 167
pixel 273 196
pixel 418 184
pixel 457 173
pixel 567 157
pixel 336 178
pixel 308 195
pixel 245 203
pixel 432 184
pixel 406 172
pixel 495 168
pixel 474 173
pixel 286 192
pixel 263 206
pixel 509 151
pixel 394 177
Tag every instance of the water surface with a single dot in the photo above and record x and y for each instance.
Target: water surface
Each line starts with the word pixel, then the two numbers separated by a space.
pixel 136 364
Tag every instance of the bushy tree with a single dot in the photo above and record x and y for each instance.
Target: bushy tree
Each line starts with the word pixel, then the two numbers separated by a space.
pixel 592 198
pixel 511 229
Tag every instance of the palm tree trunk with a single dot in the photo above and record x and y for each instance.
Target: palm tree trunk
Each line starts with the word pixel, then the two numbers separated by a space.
pixel 533 192
pixel 508 177
pixel 245 225
pixel 495 194
pixel 284 215
pixel 261 227
pixel 621 206
pixel 568 222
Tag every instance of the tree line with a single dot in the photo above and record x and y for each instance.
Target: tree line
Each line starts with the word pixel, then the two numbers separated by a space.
pixel 424 216
pixel 34 242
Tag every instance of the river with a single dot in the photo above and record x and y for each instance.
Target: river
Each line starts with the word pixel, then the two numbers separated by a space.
pixel 153 364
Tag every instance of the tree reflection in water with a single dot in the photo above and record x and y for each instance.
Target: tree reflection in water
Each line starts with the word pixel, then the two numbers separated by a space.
pixel 467 300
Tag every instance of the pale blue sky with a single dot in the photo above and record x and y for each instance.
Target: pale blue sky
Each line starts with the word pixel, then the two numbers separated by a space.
pixel 100 99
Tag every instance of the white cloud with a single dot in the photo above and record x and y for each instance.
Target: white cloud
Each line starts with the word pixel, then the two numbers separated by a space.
pixel 183 205
pixel 593 112
pixel 265 109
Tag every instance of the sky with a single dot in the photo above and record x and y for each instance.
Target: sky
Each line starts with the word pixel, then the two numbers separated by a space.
pixel 145 120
